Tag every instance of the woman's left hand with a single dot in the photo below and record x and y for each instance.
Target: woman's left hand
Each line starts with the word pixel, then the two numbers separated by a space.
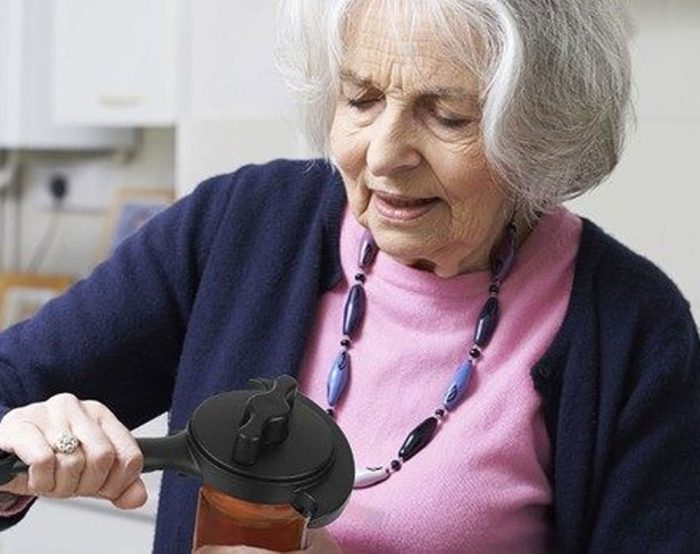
pixel 320 542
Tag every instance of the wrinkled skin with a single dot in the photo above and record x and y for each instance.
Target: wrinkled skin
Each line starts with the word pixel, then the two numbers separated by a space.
pixel 410 126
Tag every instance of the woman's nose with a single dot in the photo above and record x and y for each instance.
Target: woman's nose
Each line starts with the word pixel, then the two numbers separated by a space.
pixel 392 145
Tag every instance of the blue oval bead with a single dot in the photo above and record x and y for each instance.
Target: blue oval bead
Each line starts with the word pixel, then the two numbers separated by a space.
pixel 338 378
pixel 418 439
pixel 502 261
pixel 488 318
pixel 368 250
pixel 354 310
pixel 459 385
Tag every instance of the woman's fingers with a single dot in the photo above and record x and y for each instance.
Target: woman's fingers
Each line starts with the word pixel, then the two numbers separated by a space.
pixel 321 542
pixel 73 474
pixel 128 459
pixel 69 470
pixel 134 496
pixel 29 444
pixel 107 462
pixel 96 450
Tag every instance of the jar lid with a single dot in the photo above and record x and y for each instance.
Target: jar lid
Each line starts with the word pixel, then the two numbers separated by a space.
pixel 273 445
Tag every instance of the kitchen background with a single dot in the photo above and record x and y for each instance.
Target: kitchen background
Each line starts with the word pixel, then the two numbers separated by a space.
pixel 115 104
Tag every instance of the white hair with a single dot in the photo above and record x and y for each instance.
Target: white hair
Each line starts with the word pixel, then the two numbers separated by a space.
pixel 554 81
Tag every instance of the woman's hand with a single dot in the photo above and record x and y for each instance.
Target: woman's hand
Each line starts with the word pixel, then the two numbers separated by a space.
pixel 320 542
pixel 106 464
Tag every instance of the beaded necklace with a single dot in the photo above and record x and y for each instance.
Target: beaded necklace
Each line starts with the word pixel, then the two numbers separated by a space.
pixel 353 314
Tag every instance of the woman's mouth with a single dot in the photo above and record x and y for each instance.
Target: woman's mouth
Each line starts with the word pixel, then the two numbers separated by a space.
pixel 402 208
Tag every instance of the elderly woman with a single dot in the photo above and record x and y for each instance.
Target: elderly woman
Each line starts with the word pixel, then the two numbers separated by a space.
pixel 560 369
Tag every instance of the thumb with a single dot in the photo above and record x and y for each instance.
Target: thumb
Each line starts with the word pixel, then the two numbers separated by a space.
pixel 19 485
pixel 134 496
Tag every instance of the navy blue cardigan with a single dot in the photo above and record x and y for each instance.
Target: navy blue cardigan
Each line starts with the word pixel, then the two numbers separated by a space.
pixel 223 286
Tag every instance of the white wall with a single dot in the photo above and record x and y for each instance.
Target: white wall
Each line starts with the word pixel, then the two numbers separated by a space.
pixel 74 249
pixel 651 201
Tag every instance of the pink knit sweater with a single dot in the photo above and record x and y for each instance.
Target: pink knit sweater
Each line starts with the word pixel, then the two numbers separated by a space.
pixel 481 485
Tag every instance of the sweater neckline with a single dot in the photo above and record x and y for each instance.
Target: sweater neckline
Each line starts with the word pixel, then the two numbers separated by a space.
pixel 416 280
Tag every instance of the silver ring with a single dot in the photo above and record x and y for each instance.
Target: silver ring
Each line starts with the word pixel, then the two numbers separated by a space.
pixel 66 443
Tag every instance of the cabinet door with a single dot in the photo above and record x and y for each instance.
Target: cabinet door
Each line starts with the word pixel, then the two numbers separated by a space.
pixel 236 108
pixel 116 62
pixel 232 68
pixel 26 86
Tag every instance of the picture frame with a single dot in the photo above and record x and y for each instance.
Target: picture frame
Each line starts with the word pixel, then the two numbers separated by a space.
pixel 129 210
pixel 23 294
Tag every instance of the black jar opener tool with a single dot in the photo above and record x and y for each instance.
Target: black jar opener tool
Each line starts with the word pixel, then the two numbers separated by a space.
pixel 269 444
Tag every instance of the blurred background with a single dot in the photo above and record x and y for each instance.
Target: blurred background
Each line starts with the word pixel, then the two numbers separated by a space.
pixel 110 109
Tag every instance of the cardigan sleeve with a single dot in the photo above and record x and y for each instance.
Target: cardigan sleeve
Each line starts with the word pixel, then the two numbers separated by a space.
pixel 116 336
pixel 650 500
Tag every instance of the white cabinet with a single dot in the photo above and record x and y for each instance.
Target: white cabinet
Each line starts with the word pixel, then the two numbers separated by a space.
pixel 26 84
pixel 236 108
pixel 116 61
pixel 232 72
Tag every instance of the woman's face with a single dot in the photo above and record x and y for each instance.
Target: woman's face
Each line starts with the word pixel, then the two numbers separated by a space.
pixel 406 139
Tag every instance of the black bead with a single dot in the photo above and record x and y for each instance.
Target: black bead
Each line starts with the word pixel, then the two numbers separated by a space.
pixel 354 310
pixel 345 342
pixel 331 412
pixel 360 277
pixel 395 465
pixel 440 412
pixel 475 352
pixel 368 250
pixel 418 439
pixel 488 318
pixel 495 289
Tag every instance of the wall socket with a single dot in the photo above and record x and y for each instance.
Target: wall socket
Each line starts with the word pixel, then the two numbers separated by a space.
pixel 90 185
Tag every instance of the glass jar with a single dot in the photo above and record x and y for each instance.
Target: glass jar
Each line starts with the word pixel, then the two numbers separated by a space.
pixel 225 520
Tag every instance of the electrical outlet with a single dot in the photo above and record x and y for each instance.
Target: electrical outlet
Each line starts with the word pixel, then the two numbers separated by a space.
pixel 90 186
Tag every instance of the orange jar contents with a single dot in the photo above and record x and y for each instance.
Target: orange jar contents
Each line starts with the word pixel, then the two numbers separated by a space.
pixel 224 520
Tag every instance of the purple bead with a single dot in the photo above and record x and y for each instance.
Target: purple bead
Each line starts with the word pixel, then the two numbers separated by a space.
pixel 488 318
pixel 338 378
pixel 418 439
pixel 368 250
pixel 459 385
pixel 502 261
pixel 354 310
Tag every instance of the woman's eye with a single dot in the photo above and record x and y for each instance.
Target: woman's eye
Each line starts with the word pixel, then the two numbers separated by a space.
pixel 451 122
pixel 361 103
